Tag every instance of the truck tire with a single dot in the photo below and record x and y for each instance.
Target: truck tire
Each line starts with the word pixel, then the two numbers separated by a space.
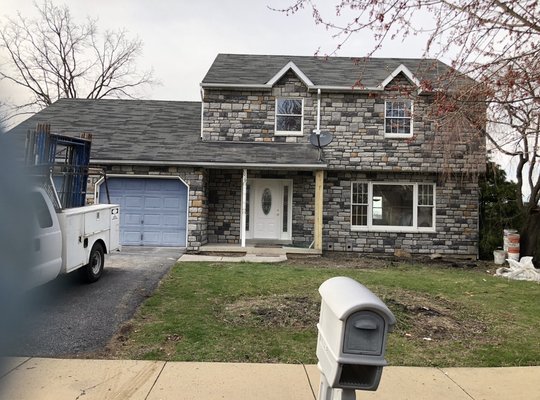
pixel 92 271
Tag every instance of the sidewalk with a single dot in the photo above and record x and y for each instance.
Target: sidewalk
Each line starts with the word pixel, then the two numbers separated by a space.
pixel 39 378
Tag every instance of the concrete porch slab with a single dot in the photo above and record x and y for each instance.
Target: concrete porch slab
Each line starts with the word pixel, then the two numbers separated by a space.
pixel 258 249
pixel 253 258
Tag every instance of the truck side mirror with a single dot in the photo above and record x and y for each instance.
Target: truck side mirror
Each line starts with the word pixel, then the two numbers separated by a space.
pixel 353 328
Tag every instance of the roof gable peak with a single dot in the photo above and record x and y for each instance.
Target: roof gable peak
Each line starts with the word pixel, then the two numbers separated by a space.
pixel 401 69
pixel 290 66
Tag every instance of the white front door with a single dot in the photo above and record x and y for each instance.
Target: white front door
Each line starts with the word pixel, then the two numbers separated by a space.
pixel 267 207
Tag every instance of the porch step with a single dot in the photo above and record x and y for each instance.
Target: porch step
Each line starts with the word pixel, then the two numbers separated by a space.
pixel 255 258
pixel 258 249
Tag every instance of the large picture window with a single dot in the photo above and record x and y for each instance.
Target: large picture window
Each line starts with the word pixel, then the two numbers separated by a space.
pixel 392 206
pixel 398 118
pixel 289 116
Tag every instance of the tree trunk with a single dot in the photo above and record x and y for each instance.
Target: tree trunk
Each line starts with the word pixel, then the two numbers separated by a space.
pixel 530 235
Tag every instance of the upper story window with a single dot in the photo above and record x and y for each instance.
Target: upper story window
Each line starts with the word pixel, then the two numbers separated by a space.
pixel 398 207
pixel 398 118
pixel 289 116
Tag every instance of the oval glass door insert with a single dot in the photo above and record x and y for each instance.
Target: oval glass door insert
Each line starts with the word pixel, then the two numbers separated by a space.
pixel 266 201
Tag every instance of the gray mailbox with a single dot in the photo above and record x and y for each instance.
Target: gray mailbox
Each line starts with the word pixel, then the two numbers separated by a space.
pixel 353 328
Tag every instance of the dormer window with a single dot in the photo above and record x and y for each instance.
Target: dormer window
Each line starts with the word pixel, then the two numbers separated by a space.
pixel 289 116
pixel 398 118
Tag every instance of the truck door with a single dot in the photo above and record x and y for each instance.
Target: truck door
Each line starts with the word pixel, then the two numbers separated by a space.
pixel 47 241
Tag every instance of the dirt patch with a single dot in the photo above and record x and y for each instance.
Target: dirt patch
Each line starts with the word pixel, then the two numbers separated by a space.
pixel 368 261
pixel 419 317
pixel 433 318
pixel 301 312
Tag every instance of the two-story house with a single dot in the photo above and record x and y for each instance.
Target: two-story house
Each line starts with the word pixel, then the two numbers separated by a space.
pixel 238 167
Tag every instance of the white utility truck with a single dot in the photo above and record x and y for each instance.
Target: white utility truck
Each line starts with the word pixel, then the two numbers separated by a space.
pixel 72 239
pixel 68 235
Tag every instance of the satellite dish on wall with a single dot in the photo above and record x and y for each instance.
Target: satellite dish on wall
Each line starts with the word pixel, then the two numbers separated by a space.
pixel 320 139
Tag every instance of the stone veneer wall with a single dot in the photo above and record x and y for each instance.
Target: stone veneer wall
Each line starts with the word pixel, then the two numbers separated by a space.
pixel 249 116
pixel 456 213
pixel 224 198
pixel 196 179
pixel 456 218
pixel 356 121
pixel 224 191
pixel 214 210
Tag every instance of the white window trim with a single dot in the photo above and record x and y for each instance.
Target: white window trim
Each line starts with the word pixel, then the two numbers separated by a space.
pixel 288 133
pixel 399 135
pixel 378 228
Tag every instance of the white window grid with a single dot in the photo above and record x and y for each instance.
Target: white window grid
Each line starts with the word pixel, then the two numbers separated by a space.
pixel 301 115
pixel 398 114
pixel 369 226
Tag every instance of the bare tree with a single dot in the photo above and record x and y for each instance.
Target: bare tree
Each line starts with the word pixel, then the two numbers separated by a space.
pixel 52 57
pixel 494 42
pixel 515 132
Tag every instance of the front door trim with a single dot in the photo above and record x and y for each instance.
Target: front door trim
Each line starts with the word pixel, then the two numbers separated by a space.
pixel 256 186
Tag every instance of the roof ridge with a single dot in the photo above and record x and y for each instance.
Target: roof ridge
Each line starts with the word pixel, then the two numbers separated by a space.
pixel 78 99
pixel 329 57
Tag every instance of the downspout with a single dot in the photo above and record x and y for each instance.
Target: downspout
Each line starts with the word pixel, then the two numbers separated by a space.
pixel 202 111
pixel 318 131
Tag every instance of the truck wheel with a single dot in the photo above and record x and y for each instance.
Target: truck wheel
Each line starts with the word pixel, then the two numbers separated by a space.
pixel 92 271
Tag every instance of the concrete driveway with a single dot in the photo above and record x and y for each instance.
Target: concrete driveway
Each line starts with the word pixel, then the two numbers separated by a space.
pixel 69 318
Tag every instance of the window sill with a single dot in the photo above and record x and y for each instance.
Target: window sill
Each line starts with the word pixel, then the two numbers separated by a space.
pixel 392 229
pixel 291 133
pixel 398 135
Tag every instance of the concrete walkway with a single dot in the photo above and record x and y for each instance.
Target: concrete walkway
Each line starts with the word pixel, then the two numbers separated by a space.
pixel 39 378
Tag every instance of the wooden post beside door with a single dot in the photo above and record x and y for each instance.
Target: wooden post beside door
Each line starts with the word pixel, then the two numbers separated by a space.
pixel 318 226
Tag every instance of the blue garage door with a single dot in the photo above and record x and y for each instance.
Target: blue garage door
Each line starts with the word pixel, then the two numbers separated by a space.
pixel 153 212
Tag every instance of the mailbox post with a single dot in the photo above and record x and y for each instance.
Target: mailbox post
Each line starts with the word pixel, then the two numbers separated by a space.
pixel 353 328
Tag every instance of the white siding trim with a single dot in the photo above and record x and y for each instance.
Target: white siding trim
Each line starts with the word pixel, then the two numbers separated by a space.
pixel 296 70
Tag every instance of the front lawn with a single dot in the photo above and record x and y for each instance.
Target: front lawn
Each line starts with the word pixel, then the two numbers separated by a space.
pixel 268 313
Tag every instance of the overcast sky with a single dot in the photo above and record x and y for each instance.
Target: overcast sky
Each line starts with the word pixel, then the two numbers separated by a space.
pixel 182 37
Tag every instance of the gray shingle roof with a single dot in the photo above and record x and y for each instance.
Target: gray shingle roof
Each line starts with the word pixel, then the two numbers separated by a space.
pixel 243 69
pixel 161 132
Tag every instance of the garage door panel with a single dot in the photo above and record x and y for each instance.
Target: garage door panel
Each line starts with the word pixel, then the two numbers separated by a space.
pixel 152 238
pixel 172 220
pixel 153 211
pixel 172 203
pixel 171 237
pixel 134 185
pixel 115 199
pixel 131 218
pixel 133 201
pixel 157 185
pixel 131 238
pixel 153 202
pixel 153 220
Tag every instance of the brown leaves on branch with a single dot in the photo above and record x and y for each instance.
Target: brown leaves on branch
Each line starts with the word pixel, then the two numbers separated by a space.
pixel 52 57
pixel 493 42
